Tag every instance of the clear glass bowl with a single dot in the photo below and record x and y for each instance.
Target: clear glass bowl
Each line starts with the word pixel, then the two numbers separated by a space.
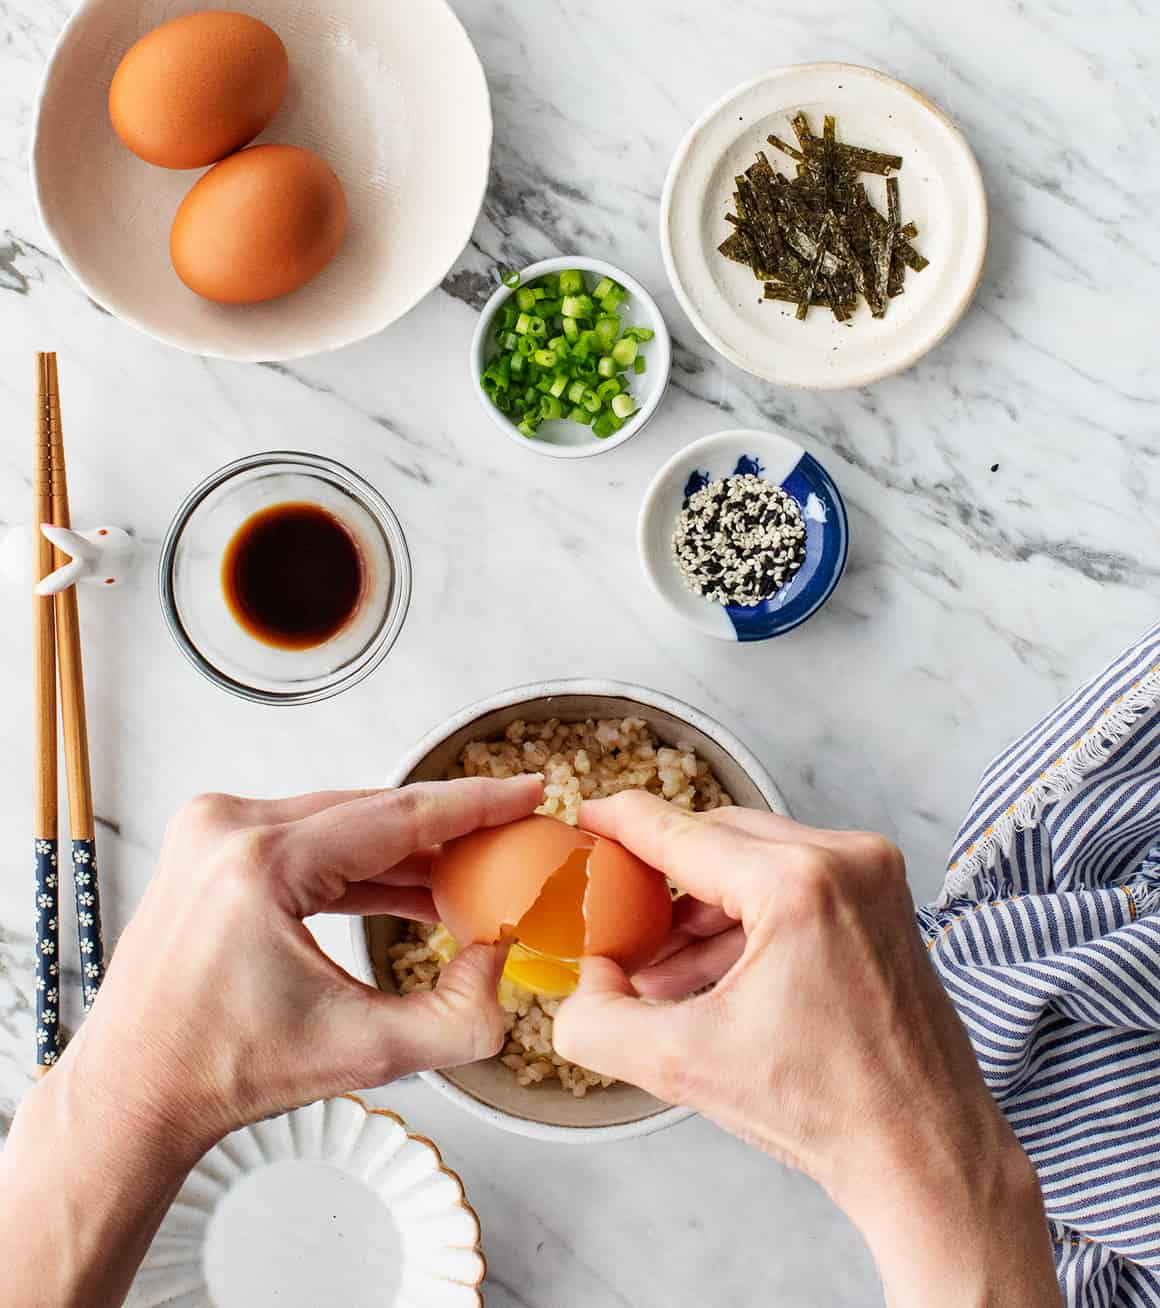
pixel 194 601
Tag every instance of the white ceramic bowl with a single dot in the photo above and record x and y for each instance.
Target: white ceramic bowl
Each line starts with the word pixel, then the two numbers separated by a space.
pixel 941 191
pixel 563 439
pixel 368 91
pixel 335 1203
pixel 488 1090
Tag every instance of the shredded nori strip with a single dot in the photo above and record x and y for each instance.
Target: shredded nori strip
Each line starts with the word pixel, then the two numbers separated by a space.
pixel 816 239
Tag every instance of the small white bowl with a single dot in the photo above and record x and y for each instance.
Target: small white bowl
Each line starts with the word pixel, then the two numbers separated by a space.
pixel 335 1203
pixel 488 1090
pixel 368 91
pixel 941 191
pixel 565 439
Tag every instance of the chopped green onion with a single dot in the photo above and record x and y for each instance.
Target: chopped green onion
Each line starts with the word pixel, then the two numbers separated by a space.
pixel 607 329
pixel 560 353
pixel 624 351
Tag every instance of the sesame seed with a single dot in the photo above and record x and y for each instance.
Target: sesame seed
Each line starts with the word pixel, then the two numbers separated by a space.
pixel 739 540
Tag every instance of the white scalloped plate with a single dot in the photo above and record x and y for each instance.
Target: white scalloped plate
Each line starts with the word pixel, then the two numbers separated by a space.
pixel 333 1204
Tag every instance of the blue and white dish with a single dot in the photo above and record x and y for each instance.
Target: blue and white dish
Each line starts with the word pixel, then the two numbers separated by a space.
pixel 782 461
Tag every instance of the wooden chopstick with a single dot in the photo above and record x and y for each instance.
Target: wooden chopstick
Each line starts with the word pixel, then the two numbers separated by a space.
pixel 82 827
pixel 45 809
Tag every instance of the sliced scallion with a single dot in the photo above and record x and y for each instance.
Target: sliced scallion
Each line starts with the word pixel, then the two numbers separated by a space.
pixel 562 352
pixel 624 351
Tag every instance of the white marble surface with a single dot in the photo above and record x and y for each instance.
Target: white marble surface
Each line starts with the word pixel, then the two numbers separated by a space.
pixel 974 598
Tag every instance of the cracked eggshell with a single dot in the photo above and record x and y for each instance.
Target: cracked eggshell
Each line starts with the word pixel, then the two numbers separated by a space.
pixel 489 879
pixel 628 908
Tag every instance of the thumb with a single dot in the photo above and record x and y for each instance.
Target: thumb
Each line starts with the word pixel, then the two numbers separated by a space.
pixel 460 1021
pixel 604 1026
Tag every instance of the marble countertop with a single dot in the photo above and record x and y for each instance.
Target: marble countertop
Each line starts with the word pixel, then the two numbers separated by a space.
pixel 1004 497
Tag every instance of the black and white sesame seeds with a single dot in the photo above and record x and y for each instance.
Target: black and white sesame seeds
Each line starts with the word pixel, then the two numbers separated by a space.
pixel 739 540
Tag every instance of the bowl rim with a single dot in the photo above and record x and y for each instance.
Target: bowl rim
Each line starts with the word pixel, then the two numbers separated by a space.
pixel 870 374
pixel 655 699
pixel 240 355
pixel 379 509
pixel 660 355
pixel 649 508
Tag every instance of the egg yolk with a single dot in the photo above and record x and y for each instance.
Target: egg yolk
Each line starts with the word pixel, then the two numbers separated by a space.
pixel 543 976
pixel 551 932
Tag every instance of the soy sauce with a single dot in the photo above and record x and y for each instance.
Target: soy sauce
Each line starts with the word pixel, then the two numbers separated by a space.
pixel 293 575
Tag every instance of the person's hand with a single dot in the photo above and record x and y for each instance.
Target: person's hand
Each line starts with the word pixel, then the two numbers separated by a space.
pixel 219 1008
pixel 827 1041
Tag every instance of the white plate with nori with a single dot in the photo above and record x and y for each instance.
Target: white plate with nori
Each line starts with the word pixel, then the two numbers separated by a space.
pixel 936 226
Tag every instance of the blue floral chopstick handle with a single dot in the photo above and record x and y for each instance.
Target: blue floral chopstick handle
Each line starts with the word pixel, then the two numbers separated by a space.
pixel 47 955
pixel 89 938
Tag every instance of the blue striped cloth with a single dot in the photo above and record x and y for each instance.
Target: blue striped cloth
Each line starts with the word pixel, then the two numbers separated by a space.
pixel 1047 938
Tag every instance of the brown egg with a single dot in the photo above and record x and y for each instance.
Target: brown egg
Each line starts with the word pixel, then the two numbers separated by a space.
pixel 564 893
pixel 258 225
pixel 197 88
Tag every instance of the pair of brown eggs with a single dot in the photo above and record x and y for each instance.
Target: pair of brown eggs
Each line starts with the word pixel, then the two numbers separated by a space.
pixel 262 221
